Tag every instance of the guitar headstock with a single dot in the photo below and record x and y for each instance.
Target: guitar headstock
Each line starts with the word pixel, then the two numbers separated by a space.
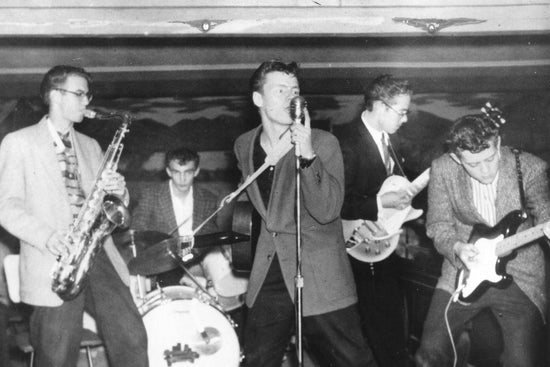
pixel 493 114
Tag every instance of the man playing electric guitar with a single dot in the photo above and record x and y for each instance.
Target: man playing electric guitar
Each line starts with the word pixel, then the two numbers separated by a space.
pixel 368 160
pixel 478 181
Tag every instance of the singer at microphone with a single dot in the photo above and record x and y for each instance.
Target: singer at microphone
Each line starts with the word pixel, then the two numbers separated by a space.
pixel 301 134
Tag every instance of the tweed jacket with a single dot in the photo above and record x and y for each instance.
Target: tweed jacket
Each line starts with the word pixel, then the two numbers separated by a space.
pixel 328 281
pixel 34 203
pixel 155 211
pixel 364 171
pixel 452 214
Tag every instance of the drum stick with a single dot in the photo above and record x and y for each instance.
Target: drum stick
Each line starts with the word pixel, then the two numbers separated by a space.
pixel 139 281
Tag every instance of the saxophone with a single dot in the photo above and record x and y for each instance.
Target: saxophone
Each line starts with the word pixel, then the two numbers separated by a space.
pixel 100 214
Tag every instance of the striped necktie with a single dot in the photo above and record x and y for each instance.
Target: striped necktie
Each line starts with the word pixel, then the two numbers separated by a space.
pixel 69 171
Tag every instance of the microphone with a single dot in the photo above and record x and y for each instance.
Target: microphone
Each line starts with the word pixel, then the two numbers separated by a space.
pixel 297 106
pixel 104 116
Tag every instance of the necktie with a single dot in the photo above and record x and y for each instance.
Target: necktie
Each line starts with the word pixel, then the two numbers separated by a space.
pixel 69 170
pixel 386 153
pixel 66 139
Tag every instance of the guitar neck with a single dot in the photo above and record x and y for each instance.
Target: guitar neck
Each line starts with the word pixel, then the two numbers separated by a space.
pixel 419 183
pixel 519 239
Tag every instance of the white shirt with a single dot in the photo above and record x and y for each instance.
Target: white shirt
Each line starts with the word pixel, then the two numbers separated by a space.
pixel 377 136
pixel 183 211
pixel 484 197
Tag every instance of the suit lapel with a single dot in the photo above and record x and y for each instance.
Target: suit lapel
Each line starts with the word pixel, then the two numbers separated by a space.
pixel 48 156
pixel 87 171
pixel 198 208
pixel 253 190
pixel 507 185
pixel 166 205
pixel 371 149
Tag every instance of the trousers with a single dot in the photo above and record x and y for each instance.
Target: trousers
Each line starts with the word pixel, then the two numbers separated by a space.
pixel 519 319
pixel 333 338
pixel 55 332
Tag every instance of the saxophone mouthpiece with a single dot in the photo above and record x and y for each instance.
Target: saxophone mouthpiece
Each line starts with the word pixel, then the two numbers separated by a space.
pixel 90 114
pixel 105 115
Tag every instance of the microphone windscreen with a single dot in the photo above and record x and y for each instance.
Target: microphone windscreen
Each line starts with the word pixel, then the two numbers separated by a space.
pixel 297 106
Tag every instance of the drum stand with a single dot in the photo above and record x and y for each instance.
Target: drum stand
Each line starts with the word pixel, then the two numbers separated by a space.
pixel 202 292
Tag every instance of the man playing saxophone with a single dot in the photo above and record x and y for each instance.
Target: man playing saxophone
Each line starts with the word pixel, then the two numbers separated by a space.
pixel 46 172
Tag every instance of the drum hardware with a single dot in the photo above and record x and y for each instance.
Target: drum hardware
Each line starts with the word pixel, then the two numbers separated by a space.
pixel 201 292
pixel 156 259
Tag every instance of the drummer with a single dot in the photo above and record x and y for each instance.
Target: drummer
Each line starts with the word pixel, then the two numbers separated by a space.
pixel 179 202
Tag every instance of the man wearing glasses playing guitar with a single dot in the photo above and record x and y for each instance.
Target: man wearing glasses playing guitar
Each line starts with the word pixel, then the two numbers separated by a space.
pixel 475 200
pixel 370 163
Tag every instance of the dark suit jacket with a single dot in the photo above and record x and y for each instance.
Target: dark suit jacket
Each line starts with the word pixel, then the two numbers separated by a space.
pixel 328 281
pixel 364 171
pixel 155 211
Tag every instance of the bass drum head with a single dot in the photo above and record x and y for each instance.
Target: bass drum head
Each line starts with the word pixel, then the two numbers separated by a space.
pixel 173 318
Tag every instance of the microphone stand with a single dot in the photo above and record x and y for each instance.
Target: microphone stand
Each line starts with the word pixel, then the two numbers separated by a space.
pixel 298 279
pixel 297 106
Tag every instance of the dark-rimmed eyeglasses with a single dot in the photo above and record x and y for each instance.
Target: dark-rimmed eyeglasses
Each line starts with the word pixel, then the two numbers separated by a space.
pixel 400 113
pixel 80 94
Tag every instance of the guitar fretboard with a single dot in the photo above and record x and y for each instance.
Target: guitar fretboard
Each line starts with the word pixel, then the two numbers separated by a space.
pixel 519 239
pixel 419 183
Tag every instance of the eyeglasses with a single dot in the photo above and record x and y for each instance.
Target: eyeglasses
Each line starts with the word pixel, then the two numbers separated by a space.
pixel 89 96
pixel 400 113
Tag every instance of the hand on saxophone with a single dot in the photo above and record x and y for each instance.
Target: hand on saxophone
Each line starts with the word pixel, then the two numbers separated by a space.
pixel 57 244
pixel 113 183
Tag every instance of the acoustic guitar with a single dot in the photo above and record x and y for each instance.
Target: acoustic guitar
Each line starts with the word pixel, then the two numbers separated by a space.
pixel 371 241
pixel 246 221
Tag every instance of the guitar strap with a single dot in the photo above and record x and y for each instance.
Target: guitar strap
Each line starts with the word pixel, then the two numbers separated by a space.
pixel 517 152
pixel 395 158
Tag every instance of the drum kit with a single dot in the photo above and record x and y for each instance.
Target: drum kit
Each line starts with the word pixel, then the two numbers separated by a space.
pixel 186 324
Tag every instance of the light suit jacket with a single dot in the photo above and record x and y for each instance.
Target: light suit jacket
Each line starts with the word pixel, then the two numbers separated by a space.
pixel 452 214
pixel 328 281
pixel 34 203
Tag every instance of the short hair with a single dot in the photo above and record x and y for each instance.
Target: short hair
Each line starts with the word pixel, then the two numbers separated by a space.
pixel 472 133
pixel 182 156
pixel 257 80
pixel 384 88
pixel 57 76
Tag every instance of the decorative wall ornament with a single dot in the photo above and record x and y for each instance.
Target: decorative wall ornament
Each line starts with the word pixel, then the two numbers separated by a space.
pixel 432 25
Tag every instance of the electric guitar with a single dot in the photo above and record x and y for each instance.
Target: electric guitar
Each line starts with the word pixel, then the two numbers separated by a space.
pixel 370 241
pixel 495 245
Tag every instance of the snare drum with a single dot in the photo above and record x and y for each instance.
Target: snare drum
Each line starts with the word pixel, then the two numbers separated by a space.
pixel 173 317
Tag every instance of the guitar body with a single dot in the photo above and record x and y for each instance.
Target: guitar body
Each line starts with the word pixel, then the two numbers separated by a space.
pixel 373 241
pixel 246 221
pixel 490 270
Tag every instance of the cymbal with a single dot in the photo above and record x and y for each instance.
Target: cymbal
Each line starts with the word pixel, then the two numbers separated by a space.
pixel 156 259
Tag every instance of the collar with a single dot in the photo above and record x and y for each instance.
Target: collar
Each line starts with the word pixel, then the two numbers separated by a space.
pixel 59 146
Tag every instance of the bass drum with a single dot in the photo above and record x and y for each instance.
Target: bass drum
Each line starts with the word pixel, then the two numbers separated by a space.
pixel 174 318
